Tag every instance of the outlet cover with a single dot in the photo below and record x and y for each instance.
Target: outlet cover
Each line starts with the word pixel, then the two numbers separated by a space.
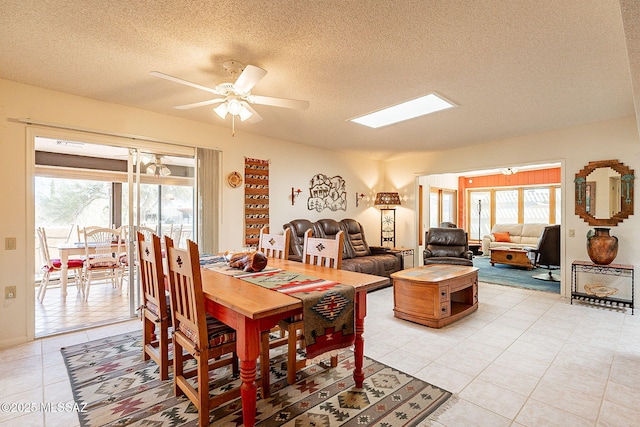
pixel 9 292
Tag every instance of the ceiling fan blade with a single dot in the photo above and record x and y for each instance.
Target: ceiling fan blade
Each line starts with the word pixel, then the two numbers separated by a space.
pixel 183 82
pixel 255 117
pixel 279 102
pixel 248 79
pixel 200 104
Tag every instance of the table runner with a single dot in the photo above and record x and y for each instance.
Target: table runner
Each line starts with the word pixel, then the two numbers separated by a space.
pixel 327 306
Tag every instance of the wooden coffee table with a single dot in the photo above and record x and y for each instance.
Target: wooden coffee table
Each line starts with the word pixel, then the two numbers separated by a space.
pixel 511 256
pixel 435 295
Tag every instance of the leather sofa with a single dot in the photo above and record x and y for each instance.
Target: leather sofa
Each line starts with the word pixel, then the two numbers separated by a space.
pixel 357 255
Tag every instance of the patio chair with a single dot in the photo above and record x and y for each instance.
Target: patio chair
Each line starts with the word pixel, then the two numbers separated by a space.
pixel 55 265
pixel 103 247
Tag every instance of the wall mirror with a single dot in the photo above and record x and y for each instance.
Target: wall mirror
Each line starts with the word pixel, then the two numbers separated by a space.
pixel 604 192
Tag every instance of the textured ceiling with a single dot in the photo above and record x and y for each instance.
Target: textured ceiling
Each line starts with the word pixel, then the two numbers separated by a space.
pixel 513 67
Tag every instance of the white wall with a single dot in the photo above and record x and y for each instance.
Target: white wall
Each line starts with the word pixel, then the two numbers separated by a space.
pixel 291 165
pixel 572 147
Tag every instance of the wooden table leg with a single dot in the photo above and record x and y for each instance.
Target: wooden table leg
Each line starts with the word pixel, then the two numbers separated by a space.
pixel 361 312
pixel 248 347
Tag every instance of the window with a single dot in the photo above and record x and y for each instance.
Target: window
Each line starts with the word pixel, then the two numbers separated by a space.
pixel 522 205
pixel 506 206
pixel 442 206
pixel 536 205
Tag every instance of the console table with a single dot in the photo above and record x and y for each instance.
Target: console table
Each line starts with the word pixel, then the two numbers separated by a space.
pixel 620 270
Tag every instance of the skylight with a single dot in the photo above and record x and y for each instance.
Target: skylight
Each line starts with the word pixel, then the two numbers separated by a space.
pixel 407 110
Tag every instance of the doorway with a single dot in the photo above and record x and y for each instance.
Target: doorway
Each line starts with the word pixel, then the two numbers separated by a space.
pixel 115 184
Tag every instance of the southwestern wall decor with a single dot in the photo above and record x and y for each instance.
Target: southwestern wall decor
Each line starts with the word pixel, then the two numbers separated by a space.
pixel 327 193
pixel 256 199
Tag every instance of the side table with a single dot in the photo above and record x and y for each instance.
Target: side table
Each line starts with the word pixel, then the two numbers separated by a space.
pixel 406 255
pixel 620 270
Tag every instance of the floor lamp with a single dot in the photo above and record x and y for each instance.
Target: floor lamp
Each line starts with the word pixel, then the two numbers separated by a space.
pixel 479 218
pixel 387 202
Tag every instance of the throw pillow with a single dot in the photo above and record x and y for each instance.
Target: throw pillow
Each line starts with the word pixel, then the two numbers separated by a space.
pixel 502 237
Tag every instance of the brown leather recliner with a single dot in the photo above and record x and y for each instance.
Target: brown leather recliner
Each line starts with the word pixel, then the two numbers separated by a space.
pixel 447 246
pixel 296 243
pixel 364 258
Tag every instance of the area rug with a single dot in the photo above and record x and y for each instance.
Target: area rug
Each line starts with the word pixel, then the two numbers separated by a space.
pixel 114 387
pixel 509 275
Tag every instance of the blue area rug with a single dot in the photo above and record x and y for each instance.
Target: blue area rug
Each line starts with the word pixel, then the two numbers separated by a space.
pixel 508 275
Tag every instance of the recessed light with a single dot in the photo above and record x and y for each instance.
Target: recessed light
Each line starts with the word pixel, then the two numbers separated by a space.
pixel 407 110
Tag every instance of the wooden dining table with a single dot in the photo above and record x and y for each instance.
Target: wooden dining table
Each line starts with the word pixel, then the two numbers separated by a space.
pixel 250 309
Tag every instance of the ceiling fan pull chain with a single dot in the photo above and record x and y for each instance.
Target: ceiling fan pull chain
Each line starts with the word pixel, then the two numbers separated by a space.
pixel 233 125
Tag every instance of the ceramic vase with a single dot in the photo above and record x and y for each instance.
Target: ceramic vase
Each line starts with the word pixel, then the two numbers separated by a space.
pixel 601 247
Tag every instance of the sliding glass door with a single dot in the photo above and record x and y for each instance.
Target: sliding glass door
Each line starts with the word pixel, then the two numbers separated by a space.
pixel 81 184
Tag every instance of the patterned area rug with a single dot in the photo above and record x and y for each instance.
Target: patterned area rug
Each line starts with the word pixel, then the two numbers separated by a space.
pixel 120 389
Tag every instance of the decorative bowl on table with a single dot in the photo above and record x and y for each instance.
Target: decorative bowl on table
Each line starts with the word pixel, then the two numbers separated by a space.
pixel 600 290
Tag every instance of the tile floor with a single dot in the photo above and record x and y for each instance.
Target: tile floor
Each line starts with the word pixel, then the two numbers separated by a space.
pixel 54 316
pixel 525 358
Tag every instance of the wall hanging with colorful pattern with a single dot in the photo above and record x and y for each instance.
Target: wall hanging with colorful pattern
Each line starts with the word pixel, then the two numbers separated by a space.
pixel 256 199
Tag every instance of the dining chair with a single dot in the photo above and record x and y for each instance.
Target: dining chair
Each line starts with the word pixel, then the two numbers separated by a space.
pixel 103 247
pixel 204 337
pixel 155 309
pixel 317 251
pixel 273 246
pixel 55 265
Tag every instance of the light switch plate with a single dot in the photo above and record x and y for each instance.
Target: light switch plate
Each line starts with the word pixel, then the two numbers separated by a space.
pixel 10 243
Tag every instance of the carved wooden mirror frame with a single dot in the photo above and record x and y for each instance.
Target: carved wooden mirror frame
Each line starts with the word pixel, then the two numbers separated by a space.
pixel 626 192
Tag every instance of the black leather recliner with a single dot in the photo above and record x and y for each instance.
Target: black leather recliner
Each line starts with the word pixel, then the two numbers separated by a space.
pixel 447 246
pixel 547 253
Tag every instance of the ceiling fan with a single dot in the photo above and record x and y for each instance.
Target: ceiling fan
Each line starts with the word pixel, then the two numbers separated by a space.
pixel 235 97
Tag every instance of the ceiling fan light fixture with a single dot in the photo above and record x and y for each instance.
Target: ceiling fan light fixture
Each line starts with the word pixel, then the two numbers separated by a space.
pixel 221 110
pixel 245 113
pixel 157 169
pixel 234 107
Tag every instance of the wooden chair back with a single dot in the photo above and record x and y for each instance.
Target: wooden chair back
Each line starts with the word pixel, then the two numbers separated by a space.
pixel 155 311
pixel 147 232
pixel 151 272
pixel 274 245
pixel 324 252
pixel 185 288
